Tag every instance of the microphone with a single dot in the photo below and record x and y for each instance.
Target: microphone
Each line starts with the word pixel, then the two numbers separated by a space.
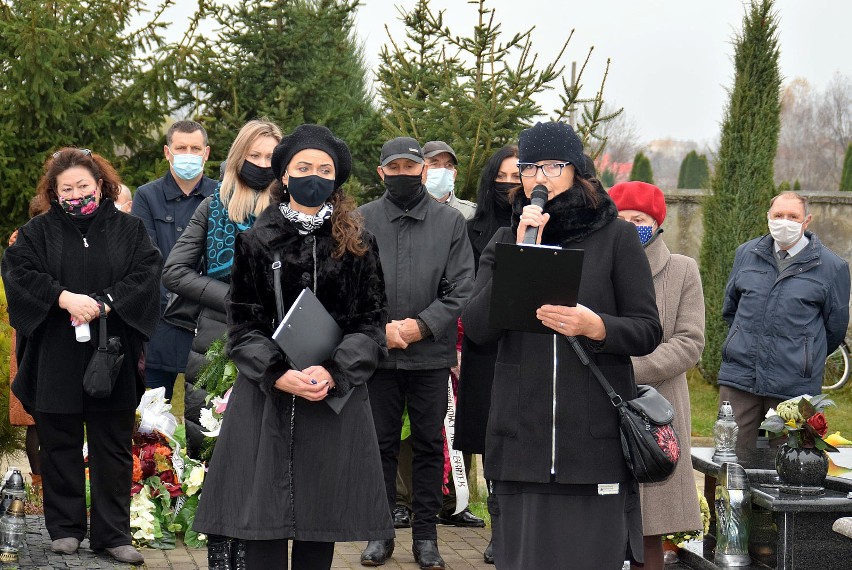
pixel 538 198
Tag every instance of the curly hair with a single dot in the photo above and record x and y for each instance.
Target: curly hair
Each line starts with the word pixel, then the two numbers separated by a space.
pixel 68 157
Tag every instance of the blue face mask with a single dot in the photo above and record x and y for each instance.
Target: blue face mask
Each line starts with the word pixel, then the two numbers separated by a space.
pixel 645 233
pixel 439 182
pixel 188 166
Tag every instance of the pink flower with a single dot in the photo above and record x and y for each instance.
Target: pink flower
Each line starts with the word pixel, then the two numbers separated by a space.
pixel 220 404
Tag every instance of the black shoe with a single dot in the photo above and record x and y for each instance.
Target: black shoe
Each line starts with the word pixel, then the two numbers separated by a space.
pixel 401 517
pixel 427 556
pixel 488 555
pixel 464 518
pixel 377 552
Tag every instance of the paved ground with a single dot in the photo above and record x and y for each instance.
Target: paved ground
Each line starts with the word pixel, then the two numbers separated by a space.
pixel 461 548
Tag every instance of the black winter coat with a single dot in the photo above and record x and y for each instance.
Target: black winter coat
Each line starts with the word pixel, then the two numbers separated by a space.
pixel 285 467
pixel 616 284
pixel 477 365
pixel 116 260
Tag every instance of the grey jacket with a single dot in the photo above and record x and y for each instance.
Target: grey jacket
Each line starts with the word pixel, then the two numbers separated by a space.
pixel 783 325
pixel 418 248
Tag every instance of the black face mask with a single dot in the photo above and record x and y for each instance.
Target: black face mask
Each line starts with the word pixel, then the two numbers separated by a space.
pixel 256 177
pixel 501 193
pixel 403 187
pixel 310 191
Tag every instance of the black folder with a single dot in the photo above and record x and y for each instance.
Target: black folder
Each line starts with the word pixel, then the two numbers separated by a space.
pixel 529 276
pixel 308 335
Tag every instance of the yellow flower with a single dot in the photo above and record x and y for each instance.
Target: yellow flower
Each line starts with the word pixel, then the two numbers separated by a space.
pixel 195 480
pixel 836 440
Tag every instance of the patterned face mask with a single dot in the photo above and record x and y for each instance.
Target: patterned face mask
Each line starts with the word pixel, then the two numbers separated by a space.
pixel 79 206
pixel 645 233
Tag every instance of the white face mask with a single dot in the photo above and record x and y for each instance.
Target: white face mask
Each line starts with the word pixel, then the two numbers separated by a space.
pixel 439 182
pixel 785 232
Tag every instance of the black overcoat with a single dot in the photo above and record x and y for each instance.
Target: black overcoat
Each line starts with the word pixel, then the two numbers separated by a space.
pixel 541 389
pixel 477 365
pixel 285 467
pixel 116 260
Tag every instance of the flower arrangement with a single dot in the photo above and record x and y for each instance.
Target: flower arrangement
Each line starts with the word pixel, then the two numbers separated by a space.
pixel 679 538
pixel 217 378
pixel 166 483
pixel 803 421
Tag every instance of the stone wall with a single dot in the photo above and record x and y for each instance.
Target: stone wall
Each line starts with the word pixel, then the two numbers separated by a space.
pixel 831 211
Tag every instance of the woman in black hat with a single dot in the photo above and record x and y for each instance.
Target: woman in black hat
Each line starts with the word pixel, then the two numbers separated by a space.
pixel 561 493
pixel 286 466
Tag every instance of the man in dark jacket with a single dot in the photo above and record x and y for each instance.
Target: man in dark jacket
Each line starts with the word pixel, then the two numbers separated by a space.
pixel 787 302
pixel 428 268
pixel 165 206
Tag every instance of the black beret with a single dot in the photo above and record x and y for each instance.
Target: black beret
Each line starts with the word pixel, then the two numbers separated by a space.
pixel 317 137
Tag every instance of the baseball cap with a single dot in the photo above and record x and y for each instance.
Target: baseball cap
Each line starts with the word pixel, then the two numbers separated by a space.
pixel 433 148
pixel 401 147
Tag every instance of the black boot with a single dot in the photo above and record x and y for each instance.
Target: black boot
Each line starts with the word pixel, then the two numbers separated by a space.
pixel 238 554
pixel 377 552
pixel 219 553
pixel 427 556
pixel 488 555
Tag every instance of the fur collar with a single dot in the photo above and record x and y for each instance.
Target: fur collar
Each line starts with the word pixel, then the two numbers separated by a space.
pixel 571 218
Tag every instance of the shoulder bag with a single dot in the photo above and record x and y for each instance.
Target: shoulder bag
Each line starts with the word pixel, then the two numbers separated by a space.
pixel 105 363
pixel 648 439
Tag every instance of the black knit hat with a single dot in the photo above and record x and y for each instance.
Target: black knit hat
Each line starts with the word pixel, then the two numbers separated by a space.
pixel 320 138
pixel 551 141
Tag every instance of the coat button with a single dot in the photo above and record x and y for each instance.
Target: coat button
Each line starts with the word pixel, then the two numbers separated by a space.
pixel 309 240
pixel 169 218
pixel 180 229
pixel 177 200
pixel 306 279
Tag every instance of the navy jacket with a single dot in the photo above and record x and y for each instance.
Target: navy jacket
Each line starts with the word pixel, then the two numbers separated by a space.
pixel 166 212
pixel 783 325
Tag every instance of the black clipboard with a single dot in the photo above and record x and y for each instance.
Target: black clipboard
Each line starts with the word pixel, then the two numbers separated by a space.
pixel 529 276
pixel 308 335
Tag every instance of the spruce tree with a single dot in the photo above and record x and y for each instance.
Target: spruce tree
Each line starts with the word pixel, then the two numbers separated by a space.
pixel 475 92
pixel 698 175
pixel 797 185
pixel 94 74
pixel 684 167
pixel 846 176
pixel 641 170
pixel 292 62
pixel 742 183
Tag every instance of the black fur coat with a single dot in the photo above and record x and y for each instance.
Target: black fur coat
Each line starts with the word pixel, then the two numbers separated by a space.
pixel 285 467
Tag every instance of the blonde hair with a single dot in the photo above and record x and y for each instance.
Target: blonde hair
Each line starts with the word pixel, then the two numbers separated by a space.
pixel 240 200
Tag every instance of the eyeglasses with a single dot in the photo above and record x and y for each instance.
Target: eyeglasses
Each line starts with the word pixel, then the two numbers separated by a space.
pixel 552 170
pixel 85 151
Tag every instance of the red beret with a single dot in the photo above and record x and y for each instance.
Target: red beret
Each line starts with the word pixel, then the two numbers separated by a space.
pixel 640 196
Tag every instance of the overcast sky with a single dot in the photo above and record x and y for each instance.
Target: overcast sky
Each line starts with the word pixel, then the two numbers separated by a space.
pixel 671 59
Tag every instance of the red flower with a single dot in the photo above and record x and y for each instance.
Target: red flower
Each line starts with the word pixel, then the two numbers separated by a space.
pixel 817 421
pixel 149 468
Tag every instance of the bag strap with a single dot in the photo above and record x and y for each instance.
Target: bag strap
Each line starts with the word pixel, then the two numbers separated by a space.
pixel 102 341
pixel 616 400
pixel 276 279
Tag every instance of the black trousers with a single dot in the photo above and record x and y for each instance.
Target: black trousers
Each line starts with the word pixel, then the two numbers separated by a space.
pixel 110 475
pixel 403 479
pixel 425 393
pixel 272 555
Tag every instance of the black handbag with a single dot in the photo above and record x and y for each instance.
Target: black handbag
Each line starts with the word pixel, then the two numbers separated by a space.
pixel 648 439
pixel 105 363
